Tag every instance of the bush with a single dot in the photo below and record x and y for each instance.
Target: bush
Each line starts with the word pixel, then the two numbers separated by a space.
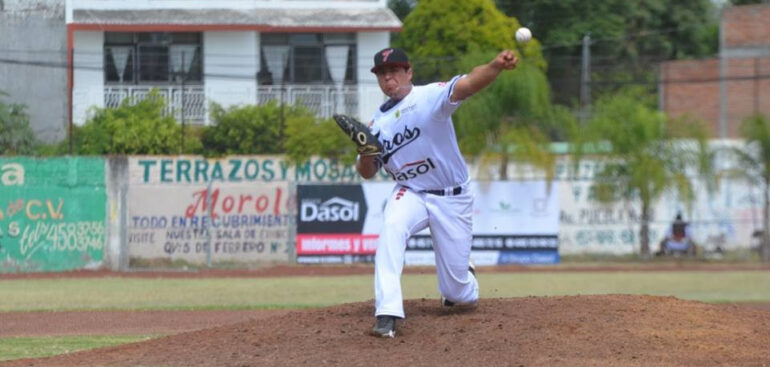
pixel 244 130
pixel 16 136
pixel 132 128
pixel 262 129
pixel 308 137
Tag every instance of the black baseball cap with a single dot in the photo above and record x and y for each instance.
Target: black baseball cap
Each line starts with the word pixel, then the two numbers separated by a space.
pixel 390 57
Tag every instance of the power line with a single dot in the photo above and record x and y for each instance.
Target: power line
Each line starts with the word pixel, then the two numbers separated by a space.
pixel 252 76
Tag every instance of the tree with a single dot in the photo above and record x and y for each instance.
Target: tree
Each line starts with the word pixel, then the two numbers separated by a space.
pixel 401 8
pixel 511 120
pixel 642 154
pixel 270 129
pixel 506 121
pixel 437 34
pixel 16 136
pixel 628 38
pixel 754 166
pixel 309 136
pixel 135 127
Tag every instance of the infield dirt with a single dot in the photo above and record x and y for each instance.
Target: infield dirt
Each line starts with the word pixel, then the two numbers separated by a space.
pixel 599 330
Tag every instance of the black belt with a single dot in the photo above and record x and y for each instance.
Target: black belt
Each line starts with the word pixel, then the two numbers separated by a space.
pixel 455 191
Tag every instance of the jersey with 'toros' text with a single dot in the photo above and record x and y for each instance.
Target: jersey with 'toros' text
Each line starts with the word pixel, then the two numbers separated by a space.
pixel 419 143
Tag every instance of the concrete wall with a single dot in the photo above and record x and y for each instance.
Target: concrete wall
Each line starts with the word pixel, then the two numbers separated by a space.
pixel 52 216
pixel 154 211
pixel 33 49
pixel 88 75
pixel 230 62
pixel 48 8
pixel 370 96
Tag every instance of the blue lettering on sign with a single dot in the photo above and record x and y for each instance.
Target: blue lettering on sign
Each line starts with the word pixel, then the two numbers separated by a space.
pixel 216 174
pixel 201 169
pixel 183 168
pixel 251 170
pixel 227 221
pixel 528 257
pixel 319 173
pixel 302 172
pixel 146 164
pixel 165 170
pixel 284 169
pixel 267 166
pixel 233 176
pixel 248 169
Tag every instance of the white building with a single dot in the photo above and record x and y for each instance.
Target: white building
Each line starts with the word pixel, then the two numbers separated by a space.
pixel 317 53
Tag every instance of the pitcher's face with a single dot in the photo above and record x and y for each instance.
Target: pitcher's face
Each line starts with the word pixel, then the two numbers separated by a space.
pixel 395 81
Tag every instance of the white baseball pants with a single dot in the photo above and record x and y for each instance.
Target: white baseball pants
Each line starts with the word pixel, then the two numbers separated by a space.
pixel 450 220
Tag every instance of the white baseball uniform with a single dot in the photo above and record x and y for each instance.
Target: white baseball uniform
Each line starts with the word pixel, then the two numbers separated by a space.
pixel 421 154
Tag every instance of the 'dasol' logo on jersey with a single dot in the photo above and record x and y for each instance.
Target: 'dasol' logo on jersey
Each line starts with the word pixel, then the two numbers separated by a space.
pixel 399 141
pixel 335 209
pixel 413 170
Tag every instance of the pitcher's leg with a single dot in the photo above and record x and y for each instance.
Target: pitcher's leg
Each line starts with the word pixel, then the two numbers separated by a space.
pixel 405 215
pixel 451 227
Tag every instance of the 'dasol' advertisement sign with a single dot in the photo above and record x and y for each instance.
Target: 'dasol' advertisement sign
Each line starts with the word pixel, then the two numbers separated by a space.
pixel 52 214
pixel 513 222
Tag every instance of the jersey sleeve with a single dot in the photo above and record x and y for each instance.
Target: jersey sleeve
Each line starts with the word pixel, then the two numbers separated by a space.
pixel 441 94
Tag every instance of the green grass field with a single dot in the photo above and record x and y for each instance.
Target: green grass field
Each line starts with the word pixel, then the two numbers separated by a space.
pixel 16 348
pixel 306 292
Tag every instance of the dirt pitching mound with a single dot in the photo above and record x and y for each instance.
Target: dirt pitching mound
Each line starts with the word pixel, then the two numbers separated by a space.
pixel 607 330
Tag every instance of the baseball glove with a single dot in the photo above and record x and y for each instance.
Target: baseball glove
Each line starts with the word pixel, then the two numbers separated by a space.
pixel 360 134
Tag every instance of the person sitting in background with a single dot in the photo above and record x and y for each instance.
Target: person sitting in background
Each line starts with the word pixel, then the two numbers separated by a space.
pixel 678 239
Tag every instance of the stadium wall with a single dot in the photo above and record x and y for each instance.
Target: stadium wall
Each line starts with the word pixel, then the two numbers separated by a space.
pixel 135 212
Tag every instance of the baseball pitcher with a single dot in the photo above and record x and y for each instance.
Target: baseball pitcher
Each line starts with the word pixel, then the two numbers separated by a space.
pixel 413 139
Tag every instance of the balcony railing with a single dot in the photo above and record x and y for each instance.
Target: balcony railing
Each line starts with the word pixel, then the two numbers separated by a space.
pixel 323 100
pixel 194 100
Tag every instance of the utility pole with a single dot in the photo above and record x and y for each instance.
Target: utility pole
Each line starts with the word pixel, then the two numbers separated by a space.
pixel 756 85
pixel 282 115
pixel 585 80
pixel 70 87
pixel 184 75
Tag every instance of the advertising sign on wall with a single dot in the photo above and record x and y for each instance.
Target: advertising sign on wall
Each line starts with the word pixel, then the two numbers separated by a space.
pixel 330 222
pixel 200 211
pixel 726 217
pixel 193 170
pixel 514 222
pixel 52 214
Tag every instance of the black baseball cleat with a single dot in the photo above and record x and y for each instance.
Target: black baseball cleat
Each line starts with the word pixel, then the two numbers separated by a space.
pixel 447 303
pixel 385 326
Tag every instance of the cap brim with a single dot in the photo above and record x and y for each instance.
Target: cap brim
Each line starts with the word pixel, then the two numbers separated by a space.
pixel 401 64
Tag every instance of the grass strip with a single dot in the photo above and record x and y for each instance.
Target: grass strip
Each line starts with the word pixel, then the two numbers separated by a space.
pixel 63 294
pixel 39 347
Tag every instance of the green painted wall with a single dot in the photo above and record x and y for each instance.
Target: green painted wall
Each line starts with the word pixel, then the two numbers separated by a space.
pixel 52 213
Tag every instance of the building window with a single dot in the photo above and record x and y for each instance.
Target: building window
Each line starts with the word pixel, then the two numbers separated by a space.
pixel 307 58
pixel 152 57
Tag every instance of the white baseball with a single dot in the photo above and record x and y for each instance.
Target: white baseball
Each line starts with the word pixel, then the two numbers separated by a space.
pixel 523 35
